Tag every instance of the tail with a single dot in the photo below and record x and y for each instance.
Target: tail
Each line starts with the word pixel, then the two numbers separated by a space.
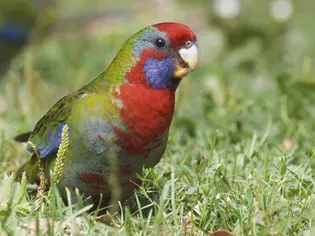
pixel 23 138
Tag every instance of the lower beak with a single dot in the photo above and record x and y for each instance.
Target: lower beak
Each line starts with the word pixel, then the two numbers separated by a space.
pixel 187 62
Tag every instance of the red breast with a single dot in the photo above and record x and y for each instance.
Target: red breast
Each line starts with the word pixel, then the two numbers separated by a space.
pixel 147 113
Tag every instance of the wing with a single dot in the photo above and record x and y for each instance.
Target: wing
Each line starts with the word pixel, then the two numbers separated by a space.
pixel 47 133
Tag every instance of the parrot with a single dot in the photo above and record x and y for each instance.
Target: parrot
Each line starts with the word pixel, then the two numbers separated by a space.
pixel 126 113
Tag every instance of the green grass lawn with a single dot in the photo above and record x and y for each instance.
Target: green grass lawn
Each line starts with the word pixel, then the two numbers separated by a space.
pixel 241 151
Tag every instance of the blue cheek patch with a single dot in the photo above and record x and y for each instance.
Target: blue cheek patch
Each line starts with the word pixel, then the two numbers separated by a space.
pixel 159 73
pixel 13 34
pixel 51 145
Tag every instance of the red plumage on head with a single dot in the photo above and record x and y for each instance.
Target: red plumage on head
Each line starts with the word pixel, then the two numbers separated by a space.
pixel 179 34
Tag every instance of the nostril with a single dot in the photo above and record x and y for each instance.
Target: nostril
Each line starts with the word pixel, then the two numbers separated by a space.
pixel 188 44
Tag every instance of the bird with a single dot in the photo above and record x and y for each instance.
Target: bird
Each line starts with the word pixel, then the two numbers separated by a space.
pixel 125 113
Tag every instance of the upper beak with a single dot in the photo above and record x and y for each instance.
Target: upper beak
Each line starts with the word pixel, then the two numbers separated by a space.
pixel 187 62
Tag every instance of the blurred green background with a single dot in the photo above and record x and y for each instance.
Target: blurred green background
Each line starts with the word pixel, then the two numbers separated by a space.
pixel 254 88
pixel 255 57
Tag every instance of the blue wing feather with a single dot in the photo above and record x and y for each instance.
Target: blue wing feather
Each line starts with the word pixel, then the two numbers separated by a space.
pixel 50 146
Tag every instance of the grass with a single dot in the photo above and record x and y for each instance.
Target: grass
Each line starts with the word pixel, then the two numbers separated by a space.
pixel 240 155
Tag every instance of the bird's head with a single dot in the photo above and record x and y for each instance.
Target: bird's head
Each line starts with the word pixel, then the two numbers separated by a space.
pixel 159 55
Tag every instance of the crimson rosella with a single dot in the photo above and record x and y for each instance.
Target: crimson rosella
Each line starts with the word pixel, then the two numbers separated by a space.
pixel 126 111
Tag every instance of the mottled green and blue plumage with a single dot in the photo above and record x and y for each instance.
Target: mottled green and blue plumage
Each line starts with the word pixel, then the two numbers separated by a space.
pixel 47 133
pixel 125 112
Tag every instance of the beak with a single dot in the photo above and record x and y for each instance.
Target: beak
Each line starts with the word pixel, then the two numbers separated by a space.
pixel 187 62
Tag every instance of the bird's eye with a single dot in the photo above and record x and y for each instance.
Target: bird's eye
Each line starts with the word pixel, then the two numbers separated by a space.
pixel 159 43
pixel 188 44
